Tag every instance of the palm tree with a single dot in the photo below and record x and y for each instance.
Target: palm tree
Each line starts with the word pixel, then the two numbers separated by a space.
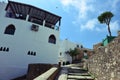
pixel 106 18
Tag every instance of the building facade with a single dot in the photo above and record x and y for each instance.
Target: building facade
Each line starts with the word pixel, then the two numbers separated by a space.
pixel 27 35
pixel 65 47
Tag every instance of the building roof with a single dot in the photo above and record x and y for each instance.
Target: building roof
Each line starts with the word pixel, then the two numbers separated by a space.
pixel 21 8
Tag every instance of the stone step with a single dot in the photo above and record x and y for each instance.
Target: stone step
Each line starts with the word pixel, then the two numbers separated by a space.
pixel 76 77
pixel 79 74
pixel 63 77
pixel 80 79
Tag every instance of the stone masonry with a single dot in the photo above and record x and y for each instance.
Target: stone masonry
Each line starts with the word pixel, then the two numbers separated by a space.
pixel 105 63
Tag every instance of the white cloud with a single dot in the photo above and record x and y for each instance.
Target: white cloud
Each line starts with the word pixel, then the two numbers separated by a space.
pixel 115 3
pixel 90 25
pixel 101 29
pixel 66 2
pixel 114 26
pixel 87 12
pixel 93 25
pixel 82 6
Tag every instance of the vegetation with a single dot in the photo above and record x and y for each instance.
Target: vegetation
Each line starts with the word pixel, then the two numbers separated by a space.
pixel 85 56
pixel 106 18
pixel 73 53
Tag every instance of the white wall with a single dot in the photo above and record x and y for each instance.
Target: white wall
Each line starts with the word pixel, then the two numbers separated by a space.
pixel 2 8
pixel 65 46
pixel 15 61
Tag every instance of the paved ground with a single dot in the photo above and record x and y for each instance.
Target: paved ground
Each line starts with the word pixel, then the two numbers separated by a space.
pixel 74 72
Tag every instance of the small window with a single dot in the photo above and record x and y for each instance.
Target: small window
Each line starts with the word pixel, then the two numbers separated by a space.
pixel 60 53
pixel 52 39
pixel 4 49
pixel 81 46
pixel 34 53
pixel 77 46
pixel 31 53
pixel 10 30
pixel 1 48
pixel 28 52
pixel 7 49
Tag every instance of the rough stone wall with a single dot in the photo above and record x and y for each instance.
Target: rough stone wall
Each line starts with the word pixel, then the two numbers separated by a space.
pixel 105 63
pixel 97 46
pixel 81 53
pixel 34 70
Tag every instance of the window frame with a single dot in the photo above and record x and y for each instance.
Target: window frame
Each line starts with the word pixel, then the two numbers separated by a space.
pixel 52 39
pixel 10 29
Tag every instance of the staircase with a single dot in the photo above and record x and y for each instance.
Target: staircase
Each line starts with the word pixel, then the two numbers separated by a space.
pixel 74 72
pixel 78 74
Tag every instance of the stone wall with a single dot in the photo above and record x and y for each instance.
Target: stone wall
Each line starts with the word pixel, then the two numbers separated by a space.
pixel 89 52
pixel 97 46
pixel 34 70
pixel 105 63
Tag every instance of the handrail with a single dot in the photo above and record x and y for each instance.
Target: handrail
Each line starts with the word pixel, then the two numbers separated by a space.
pixel 47 74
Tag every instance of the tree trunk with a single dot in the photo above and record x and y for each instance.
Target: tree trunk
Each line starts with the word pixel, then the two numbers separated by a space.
pixel 109 30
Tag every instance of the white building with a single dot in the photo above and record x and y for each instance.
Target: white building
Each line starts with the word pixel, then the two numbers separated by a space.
pixel 28 35
pixel 65 46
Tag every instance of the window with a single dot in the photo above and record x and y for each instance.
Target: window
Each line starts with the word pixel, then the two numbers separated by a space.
pixel 5 49
pixel 77 46
pixel 1 48
pixel 31 53
pixel 10 30
pixel 28 52
pixel 34 53
pixel 60 53
pixel 52 39
pixel 81 46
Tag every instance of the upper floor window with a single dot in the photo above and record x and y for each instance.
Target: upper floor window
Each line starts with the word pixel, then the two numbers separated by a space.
pixel 52 39
pixel 77 46
pixel 10 29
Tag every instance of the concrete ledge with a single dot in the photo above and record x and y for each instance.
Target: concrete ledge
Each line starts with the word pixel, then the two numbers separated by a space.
pixel 47 74
pixel 79 77
pixel 63 77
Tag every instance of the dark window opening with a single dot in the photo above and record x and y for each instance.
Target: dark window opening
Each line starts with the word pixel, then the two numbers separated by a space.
pixel 4 49
pixel 34 53
pixel 1 48
pixel 52 39
pixel 81 46
pixel 7 49
pixel 77 46
pixel 60 53
pixel 28 52
pixel 10 30
pixel 34 27
pixel 31 53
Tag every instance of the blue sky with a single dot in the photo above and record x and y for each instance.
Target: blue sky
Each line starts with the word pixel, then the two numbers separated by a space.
pixel 79 18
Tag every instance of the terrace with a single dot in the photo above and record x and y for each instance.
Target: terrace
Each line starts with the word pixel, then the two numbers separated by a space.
pixel 32 14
